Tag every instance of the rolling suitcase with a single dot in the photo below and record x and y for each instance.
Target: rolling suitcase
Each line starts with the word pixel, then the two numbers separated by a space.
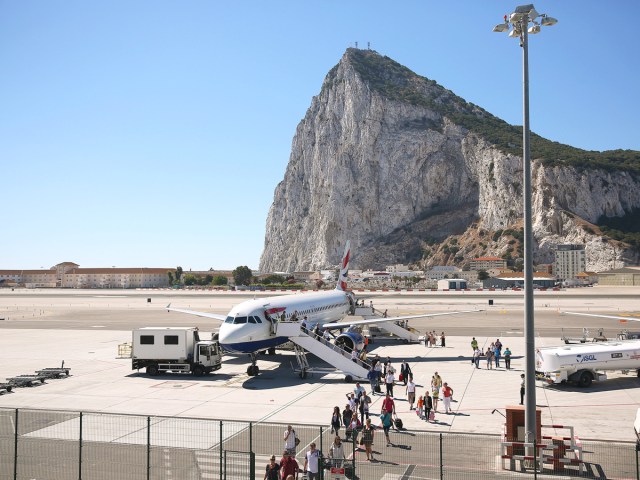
pixel 398 423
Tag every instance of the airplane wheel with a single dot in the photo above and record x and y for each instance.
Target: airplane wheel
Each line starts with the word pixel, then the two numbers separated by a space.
pixel 256 370
pixel 250 371
pixel 272 351
pixel 348 379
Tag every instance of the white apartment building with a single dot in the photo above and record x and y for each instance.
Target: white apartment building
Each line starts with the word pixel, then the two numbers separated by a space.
pixel 440 272
pixel 570 261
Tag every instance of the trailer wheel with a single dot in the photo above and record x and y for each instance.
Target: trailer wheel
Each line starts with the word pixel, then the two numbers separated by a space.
pixel 586 378
pixel 348 379
pixel 198 371
pixel 152 370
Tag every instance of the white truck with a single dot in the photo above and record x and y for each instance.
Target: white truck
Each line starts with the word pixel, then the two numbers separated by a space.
pixel 174 349
pixel 583 363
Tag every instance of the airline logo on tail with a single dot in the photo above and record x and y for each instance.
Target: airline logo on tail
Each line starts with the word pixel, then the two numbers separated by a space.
pixel 344 268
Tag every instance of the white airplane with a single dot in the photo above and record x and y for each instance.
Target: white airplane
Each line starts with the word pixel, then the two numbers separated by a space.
pixel 249 326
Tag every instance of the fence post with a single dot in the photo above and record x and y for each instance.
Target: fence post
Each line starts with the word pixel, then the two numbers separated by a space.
pixel 637 460
pixel 80 451
pixel 441 460
pixel 252 466
pixel 148 448
pixel 15 449
pixel 321 462
pixel 220 449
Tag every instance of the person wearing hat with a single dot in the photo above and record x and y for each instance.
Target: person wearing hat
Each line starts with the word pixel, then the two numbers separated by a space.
pixel 272 470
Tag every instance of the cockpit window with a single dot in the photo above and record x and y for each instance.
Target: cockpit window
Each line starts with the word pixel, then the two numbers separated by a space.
pixel 252 320
pixel 240 320
pixel 229 320
pixel 258 319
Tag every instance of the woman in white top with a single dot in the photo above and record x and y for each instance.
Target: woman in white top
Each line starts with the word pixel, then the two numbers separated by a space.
pixel 336 452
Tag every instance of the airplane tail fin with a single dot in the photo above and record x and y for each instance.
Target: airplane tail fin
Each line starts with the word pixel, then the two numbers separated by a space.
pixel 344 268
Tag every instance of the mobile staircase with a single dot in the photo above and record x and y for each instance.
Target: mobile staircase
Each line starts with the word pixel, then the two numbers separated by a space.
pixel 306 341
pixel 400 328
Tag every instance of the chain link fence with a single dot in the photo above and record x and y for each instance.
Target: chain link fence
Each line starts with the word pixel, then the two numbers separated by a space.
pixel 60 445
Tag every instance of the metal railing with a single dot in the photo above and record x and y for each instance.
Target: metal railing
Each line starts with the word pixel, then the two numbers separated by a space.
pixel 61 445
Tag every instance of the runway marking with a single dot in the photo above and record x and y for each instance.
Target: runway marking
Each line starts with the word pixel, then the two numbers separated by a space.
pixel 98 326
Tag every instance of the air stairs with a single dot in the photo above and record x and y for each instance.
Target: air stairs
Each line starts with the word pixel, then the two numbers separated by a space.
pixel 400 328
pixel 323 349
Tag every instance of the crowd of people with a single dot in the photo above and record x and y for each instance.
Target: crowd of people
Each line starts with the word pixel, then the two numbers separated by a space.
pixel 357 424
pixel 492 356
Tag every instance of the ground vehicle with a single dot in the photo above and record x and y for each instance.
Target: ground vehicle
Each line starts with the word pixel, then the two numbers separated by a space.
pixel 583 363
pixel 176 349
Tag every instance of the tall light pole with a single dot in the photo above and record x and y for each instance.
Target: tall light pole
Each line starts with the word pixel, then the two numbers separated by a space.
pixel 524 20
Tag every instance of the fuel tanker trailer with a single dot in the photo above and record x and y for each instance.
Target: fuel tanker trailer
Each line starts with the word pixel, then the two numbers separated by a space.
pixel 583 363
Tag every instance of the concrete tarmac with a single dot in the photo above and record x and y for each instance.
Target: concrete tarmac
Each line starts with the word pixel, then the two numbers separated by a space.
pixel 84 328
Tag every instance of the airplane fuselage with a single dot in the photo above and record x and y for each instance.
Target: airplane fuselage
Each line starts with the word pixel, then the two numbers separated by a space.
pixel 248 330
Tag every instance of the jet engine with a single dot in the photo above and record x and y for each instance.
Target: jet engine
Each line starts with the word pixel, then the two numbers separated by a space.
pixel 350 339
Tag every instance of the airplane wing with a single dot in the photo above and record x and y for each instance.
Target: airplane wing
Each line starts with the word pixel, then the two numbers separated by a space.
pixel 215 316
pixel 370 321
pixel 614 317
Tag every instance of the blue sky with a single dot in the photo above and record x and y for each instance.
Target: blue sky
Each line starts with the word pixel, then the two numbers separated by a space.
pixel 152 133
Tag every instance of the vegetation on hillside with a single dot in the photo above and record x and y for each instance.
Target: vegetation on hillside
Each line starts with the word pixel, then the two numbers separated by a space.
pixel 397 82
pixel 624 229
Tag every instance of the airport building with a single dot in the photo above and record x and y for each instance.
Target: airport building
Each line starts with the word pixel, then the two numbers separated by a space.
pixel 570 261
pixel 486 263
pixel 69 275
pixel 627 276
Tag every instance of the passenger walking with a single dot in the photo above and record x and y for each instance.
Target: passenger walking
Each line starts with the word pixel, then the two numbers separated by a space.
pixel 447 393
pixel 386 421
pixel 522 389
pixel 389 381
pixel 476 357
pixel 405 371
pixel 354 427
pixel 336 452
pixel 336 421
pixel 389 405
pixel 363 406
pixel 273 469
pixel 347 413
pixel 435 397
pixel 372 376
pixel 411 392
pixel 474 344
pixel 489 355
pixel 311 463
pixel 442 340
pixel 354 355
pixel 290 440
pixel 288 466
pixel 428 406
pixel 507 358
pixel 420 407
pixel 367 439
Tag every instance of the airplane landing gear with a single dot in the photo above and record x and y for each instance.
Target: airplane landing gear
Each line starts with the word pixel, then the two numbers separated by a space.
pixel 253 369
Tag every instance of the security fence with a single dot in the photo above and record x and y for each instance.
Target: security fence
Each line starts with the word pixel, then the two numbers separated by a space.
pixel 61 445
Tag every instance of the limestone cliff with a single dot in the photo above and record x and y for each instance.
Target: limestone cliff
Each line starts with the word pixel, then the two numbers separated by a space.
pixel 410 172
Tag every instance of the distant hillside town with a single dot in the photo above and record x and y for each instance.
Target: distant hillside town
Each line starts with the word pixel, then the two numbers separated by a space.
pixel 568 269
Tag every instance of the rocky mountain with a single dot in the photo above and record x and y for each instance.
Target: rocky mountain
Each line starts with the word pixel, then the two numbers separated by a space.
pixel 410 172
